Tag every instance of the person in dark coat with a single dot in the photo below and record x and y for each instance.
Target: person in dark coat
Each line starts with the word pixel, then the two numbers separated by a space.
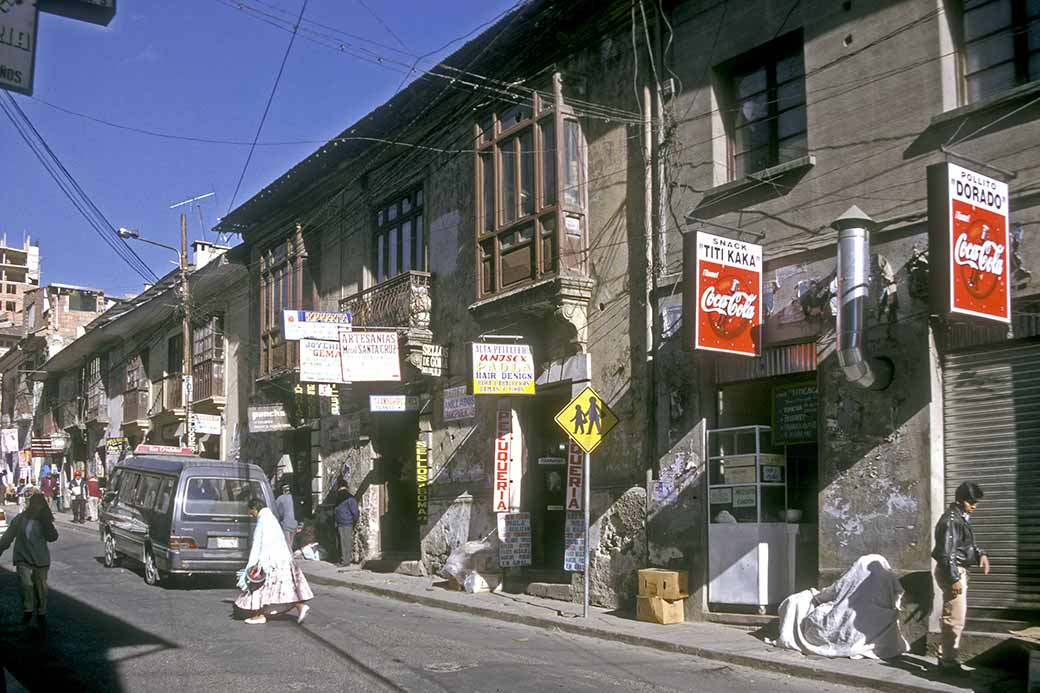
pixel 955 551
pixel 345 514
pixel 30 532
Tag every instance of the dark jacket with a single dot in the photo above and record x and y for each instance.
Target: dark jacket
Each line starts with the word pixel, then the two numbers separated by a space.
pixel 954 545
pixel 30 537
pixel 346 512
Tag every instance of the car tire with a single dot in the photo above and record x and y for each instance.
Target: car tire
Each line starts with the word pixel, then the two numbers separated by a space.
pixel 151 570
pixel 111 558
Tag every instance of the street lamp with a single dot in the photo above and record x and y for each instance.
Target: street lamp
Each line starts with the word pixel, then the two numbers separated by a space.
pixel 187 386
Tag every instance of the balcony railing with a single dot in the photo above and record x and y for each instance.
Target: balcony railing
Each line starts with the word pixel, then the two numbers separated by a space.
pixel 403 301
pixel 167 395
pixel 71 412
pixel 97 405
pixel 135 405
pixel 208 381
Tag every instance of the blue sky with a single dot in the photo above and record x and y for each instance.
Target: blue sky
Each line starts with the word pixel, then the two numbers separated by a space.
pixel 198 68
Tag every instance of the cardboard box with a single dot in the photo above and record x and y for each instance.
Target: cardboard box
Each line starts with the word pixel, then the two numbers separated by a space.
pixel 658 610
pixel 669 584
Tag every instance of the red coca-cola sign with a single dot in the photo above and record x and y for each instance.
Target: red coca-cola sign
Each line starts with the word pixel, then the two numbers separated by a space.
pixel 978 242
pixel 728 295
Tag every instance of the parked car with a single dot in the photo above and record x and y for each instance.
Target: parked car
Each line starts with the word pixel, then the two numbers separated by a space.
pixel 180 514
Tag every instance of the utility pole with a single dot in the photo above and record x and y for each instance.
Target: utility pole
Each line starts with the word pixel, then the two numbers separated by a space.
pixel 188 384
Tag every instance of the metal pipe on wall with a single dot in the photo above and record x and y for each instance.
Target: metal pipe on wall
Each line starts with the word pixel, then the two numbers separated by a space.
pixel 853 291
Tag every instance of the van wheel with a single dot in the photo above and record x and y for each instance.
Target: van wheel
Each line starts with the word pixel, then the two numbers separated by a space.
pixel 151 571
pixel 111 557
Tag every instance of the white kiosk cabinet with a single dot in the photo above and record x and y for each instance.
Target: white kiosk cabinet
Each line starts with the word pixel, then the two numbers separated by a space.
pixel 751 547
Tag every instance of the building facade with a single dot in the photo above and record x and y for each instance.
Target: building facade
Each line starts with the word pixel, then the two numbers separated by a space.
pixel 19 273
pixel 514 192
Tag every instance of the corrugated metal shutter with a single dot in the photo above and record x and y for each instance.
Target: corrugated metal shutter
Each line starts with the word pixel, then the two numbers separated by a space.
pixel 991 418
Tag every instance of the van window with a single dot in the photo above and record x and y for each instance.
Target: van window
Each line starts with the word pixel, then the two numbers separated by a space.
pixel 127 486
pixel 165 493
pixel 147 491
pixel 216 496
pixel 113 484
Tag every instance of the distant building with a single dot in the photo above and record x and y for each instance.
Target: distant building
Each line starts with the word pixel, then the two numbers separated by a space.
pixel 19 273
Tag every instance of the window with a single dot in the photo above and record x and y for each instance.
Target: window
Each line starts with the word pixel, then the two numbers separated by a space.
pixel 146 492
pixel 288 281
pixel 83 301
pixel 165 494
pixel 136 373
pixel 128 486
pixel 220 496
pixel 175 354
pixel 207 359
pixel 763 97
pixel 400 241
pixel 530 168
pixel 1001 45
pixel 10 306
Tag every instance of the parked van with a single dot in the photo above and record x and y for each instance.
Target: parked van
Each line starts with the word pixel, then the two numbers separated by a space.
pixel 179 514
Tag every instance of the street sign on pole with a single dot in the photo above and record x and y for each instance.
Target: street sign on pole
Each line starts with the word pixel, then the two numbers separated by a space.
pixel 17 45
pixel 587 420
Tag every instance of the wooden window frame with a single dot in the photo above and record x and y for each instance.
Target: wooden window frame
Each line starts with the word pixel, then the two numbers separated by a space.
pixel 556 227
pixel 383 227
pixel 287 259
pixel 764 57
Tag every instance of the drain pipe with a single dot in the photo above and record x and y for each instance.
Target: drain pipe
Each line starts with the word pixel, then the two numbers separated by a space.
pixel 853 290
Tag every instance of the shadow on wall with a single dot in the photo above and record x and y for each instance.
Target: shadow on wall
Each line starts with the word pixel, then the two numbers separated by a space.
pixel 78 654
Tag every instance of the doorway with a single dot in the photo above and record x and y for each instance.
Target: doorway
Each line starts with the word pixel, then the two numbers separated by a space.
pixel 544 483
pixel 394 442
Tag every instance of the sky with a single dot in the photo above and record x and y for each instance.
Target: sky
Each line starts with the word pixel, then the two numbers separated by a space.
pixel 204 69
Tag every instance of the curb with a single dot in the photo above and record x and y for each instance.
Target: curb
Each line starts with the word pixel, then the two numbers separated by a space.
pixel 805 671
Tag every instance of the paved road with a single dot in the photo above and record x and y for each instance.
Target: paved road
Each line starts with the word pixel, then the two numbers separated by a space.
pixel 109 631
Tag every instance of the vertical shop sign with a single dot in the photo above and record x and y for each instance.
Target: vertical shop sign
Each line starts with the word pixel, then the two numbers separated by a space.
pixel 575 475
pixel 503 461
pixel 968 236
pixel 728 295
pixel 422 478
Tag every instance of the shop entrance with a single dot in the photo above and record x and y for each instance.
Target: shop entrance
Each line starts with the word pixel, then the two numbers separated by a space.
pixel 394 442
pixel 777 491
pixel 545 479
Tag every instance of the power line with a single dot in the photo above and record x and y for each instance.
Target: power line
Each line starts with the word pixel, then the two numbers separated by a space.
pixel 267 108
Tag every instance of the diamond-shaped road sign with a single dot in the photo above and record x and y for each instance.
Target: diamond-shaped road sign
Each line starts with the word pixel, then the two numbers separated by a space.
pixel 587 419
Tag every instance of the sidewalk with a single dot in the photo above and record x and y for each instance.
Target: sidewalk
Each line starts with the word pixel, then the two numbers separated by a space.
pixel 706 640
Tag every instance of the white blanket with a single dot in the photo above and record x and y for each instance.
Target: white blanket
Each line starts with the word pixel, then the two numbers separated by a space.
pixel 857 616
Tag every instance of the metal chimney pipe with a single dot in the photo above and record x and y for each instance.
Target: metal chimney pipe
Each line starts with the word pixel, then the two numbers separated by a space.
pixel 854 228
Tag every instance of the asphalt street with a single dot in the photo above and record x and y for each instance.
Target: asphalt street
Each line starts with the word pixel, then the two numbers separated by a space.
pixel 109 631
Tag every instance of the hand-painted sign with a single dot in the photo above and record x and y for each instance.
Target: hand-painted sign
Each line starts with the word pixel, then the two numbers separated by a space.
pixel 320 361
pixel 313 324
pixel 728 295
pixel 434 360
pixel 266 418
pixel 369 356
pixel 514 534
pixel 458 405
pixel 208 424
pixel 587 419
pixel 574 543
pixel 393 403
pixel 502 369
pixel 575 476
pixel 968 218
pixel 794 413
pixel 17 45
pixel 422 478
pixel 502 494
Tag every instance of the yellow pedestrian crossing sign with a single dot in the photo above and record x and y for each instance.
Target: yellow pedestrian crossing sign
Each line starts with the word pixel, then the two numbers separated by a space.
pixel 587 419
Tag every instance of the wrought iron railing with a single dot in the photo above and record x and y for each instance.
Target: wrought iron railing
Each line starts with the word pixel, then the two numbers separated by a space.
pixel 403 301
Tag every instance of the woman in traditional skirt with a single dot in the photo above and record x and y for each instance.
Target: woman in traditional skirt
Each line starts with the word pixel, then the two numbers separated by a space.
pixel 271 582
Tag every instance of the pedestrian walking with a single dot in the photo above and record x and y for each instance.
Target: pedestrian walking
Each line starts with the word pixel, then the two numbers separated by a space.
pixel 93 497
pixel 285 512
pixel 346 514
pixel 30 532
pixel 78 494
pixel 955 551
pixel 271 581
pixel 47 485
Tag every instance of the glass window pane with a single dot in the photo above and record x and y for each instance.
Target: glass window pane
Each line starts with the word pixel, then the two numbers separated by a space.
pixel 1033 32
pixel 487 266
pixel 379 218
pixel 406 249
pixel 508 180
pixel 488 181
pixel 213 496
pixel 393 250
pixel 750 110
pixel 391 212
pixel 993 81
pixel 989 52
pixel 515 115
pixel 486 131
pixel 790 94
pixel 406 204
pixel 794 147
pixel 750 161
pixel 791 122
pixel 548 162
pixel 751 137
pixel 789 68
pixel 549 243
pixel 420 244
pixel 380 257
pixel 525 233
pixel 749 83
pixel 418 197
pixel 1034 66
pixel 527 172
pixel 986 19
pixel 572 171
pixel 287 302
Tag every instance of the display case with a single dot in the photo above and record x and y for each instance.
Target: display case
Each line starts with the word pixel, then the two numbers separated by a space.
pixel 750 544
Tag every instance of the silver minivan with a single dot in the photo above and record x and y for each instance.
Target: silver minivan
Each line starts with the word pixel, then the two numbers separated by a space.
pixel 180 514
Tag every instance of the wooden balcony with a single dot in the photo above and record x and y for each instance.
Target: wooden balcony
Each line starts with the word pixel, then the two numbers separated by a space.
pixel 135 411
pixel 167 400
pixel 70 413
pixel 208 386
pixel 96 406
